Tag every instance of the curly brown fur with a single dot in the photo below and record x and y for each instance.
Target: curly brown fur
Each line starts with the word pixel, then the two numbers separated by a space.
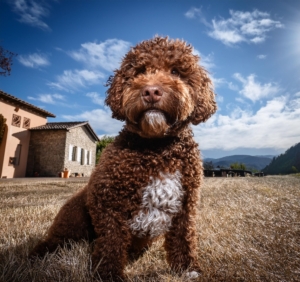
pixel 147 182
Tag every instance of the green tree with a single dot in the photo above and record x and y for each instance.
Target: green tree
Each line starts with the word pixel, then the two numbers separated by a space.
pixel 2 127
pixel 238 165
pixel 283 163
pixel 104 141
pixel 294 169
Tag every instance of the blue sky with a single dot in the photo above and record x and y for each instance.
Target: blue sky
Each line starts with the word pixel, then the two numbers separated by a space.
pixel 67 49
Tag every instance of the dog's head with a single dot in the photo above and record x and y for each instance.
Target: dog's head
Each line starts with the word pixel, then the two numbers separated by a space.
pixel 159 88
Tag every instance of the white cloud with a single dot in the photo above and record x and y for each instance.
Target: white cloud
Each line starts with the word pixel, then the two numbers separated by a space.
pixel 219 82
pixel 96 99
pixel 219 98
pixel 274 125
pixel 34 60
pixel 107 54
pixel 250 27
pixel 205 61
pixel 31 13
pixel 297 94
pixel 262 56
pixel 224 34
pixel 48 98
pixel 254 90
pixel 100 120
pixel 72 80
pixel 193 13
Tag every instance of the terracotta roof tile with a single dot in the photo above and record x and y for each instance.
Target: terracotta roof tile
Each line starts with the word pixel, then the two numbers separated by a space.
pixel 59 125
pixel 66 126
pixel 12 99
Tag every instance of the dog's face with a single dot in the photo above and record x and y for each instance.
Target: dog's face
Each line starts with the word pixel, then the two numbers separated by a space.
pixel 160 86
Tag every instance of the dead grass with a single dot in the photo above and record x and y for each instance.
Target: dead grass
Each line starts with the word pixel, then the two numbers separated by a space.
pixel 249 230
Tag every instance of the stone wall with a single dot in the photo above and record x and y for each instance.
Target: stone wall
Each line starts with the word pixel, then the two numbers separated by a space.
pixel 80 138
pixel 46 153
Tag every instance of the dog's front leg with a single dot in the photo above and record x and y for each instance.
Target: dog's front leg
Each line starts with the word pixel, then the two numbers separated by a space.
pixel 181 244
pixel 111 246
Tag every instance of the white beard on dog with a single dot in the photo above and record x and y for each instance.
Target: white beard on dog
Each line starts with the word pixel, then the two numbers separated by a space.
pixel 154 124
pixel 161 200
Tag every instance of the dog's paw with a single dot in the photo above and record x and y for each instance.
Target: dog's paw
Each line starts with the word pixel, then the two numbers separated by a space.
pixel 192 275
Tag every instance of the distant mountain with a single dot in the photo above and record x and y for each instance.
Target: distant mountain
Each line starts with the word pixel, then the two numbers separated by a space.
pixel 255 162
pixel 284 163
pixel 266 156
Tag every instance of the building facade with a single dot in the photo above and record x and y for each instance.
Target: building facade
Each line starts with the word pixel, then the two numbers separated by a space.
pixel 32 147
pixel 57 146
pixel 20 117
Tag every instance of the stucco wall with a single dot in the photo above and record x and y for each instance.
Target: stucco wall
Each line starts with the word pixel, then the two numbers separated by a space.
pixel 80 138
pixel 46 152
pixel 15 136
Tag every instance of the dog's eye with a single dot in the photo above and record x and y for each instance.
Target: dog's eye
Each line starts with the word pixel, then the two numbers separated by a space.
pixel 175 72
pixel 140 70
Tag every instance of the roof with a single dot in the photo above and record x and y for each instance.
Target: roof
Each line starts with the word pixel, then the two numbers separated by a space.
pixel 18 102
pixel 66 126
pixel 228 170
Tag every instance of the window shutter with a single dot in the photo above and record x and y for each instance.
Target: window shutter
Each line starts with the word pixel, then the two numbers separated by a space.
pixel 78 154
pixel 82 157
pixel 70 152
pixel 74 153
pixel 90 157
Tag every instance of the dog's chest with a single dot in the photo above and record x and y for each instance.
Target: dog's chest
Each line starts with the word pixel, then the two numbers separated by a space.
pixel 161 200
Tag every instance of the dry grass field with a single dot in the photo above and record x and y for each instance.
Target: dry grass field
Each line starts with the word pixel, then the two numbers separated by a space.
pixel 249 230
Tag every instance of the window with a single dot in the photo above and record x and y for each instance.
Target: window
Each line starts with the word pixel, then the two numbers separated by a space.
pixel 70 152
pixel 74 153
pixel 88 158
pixel 82 157
pixel 16 120
pixel 14 161
pixel 78 159
pixel 26 123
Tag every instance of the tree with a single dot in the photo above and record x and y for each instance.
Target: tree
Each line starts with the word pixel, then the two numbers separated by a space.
pixel 208 165
pixel 6 61
pixel 238 166
pixel 294 169
pixel 2 127
pixel 104 141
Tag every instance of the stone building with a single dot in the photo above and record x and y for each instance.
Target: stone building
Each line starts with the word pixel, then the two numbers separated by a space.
pixel 19 117
pixel 57 146
pixel 29 146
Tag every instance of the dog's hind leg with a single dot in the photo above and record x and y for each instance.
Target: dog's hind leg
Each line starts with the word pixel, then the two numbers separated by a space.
pixel 71 223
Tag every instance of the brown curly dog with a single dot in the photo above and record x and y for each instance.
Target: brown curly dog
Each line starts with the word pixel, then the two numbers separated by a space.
pixel 147 182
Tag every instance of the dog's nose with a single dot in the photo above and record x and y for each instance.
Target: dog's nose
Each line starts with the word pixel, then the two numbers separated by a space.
pixel 152 94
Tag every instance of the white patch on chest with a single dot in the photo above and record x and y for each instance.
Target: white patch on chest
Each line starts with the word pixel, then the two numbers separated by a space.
pixel 161 200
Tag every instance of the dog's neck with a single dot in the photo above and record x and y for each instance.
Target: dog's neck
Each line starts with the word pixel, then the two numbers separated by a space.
pixel 174 130
pixel 134 141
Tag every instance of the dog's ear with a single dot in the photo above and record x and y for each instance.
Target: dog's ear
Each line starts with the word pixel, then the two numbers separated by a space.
pixel 114 96
pixel 205 105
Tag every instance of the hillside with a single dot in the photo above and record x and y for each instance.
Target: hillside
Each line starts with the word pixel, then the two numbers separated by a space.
pixel 284 163
pixel 255 162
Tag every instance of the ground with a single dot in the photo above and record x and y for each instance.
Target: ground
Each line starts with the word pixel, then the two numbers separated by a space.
pixel 249 230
